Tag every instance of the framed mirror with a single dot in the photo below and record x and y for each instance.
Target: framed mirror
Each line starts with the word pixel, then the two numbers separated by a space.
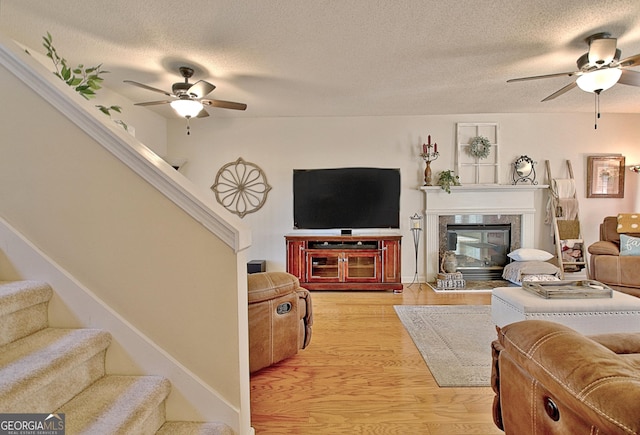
pixel 524 170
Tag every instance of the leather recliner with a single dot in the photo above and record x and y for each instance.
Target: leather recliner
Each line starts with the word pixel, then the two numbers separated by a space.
pixel 606 263
pixel 280 318
pixel 550 379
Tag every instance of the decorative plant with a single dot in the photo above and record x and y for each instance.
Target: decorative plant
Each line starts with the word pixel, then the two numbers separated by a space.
pixel 85 80
pixel 446 179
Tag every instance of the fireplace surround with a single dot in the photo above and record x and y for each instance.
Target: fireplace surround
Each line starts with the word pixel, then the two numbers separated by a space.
pixel 512 205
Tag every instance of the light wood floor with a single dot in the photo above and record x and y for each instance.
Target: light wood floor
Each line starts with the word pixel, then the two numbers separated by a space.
pixel 362 374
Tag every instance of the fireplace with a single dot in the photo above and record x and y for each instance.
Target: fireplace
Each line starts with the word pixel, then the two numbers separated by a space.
pixel 511 206
pixel 480 248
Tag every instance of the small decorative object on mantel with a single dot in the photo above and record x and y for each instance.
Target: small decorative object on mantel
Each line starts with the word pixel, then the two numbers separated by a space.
pixel 524 171
pixel 241 187
pixel 477 152
pixel 429 154
pixel 446 179
pixel 480 147
pixel 635 168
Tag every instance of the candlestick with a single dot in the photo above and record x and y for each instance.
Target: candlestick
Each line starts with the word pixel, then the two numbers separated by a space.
pixel 429 154
pixel 427 173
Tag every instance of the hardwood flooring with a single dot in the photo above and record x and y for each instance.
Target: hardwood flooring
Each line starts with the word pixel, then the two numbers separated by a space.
pixel 362 374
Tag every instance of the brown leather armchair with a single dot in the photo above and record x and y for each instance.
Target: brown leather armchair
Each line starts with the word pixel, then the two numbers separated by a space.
pixel 607 266
pixel 280 318
pixel 549 379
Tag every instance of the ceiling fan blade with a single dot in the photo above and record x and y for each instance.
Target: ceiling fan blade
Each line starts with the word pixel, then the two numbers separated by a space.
pixel 546 76
pixel 143 86
pixel 200 89
pixel 152 103
pixel 630 61
pixel 602 51
pixel 629 77
pixel 561 91
pixel 224 104
pixel 203 114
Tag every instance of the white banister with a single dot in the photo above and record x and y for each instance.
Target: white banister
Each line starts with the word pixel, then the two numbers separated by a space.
pixel 125 147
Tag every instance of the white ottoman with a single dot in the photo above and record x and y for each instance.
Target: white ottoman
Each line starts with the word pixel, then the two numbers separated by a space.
pixel 620 313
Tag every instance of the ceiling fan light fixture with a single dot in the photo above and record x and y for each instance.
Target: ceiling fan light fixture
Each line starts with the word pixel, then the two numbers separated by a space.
pixel 187 108
pixel 599 80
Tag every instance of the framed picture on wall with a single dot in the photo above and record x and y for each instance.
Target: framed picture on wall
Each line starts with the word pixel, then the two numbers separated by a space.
pixel 605 176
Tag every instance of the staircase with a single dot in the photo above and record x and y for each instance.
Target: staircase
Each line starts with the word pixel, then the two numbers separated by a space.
pixel 47 370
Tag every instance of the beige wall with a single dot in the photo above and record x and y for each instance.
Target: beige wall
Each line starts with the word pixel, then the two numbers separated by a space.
pixel 279 145
pixel 116 234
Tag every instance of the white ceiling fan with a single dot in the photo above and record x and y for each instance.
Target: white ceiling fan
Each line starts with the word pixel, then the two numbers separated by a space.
pixel 598 70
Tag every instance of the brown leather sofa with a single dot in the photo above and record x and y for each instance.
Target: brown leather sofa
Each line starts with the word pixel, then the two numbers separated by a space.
pixel 549 379
pixel 280 318
pixel 607 266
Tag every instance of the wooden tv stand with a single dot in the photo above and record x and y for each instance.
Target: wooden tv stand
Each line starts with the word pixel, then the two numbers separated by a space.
pixel 362 262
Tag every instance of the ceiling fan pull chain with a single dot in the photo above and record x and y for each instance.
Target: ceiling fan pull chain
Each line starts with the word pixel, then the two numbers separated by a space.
pixel 596 109
pixel 188 126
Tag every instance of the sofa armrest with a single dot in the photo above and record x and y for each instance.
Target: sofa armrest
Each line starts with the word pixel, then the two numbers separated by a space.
pixel 305 307
pixel 604 248
pixel 586 378
pixel 621 343
pixel 264 286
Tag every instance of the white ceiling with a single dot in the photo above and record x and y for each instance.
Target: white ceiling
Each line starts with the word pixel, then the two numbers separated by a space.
pixel 340 57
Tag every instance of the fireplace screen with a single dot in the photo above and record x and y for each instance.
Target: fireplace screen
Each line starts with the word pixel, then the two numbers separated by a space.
pixel 481 250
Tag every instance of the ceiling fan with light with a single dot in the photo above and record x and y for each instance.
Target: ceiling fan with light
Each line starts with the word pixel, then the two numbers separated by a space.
pixel 188 99
pixel 598 69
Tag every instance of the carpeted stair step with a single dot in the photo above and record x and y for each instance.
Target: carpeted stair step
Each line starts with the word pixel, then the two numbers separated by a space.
pixel 118 405
pixel 46 369
pixel 194 428
pixel 23 308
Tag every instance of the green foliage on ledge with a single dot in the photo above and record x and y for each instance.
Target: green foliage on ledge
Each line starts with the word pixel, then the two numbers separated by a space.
pixel 85 80
pixel 446 179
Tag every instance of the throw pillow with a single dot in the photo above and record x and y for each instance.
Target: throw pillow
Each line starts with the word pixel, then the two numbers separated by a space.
pixel 629 245
pixel 529 254
pixel 628 223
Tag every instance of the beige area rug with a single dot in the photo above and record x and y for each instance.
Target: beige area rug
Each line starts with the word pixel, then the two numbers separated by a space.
pixel 454 340
pixel 474 286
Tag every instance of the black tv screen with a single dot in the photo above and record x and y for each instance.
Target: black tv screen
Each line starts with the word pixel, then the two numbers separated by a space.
pixel 346 198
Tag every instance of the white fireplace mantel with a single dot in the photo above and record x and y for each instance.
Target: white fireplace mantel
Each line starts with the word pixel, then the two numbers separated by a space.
pixel 484 199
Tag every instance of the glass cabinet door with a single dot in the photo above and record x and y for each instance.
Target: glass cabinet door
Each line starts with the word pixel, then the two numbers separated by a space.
pixel 363 266
pixel 323 266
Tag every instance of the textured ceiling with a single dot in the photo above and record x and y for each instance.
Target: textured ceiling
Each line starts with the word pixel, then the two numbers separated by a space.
pixel 340 58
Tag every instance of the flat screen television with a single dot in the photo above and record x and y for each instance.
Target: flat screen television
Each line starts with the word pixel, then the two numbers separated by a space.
pixel 346 198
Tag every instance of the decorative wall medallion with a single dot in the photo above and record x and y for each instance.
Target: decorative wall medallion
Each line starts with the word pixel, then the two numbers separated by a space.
pixel 241 187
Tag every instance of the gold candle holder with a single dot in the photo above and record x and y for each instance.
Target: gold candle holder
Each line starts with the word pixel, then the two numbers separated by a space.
pixel 429 154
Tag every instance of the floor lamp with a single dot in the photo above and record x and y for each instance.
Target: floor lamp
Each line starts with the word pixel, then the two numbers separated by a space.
pixel 416 229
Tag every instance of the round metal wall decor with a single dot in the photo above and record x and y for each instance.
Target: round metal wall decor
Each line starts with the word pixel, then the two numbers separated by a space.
pixel 241 187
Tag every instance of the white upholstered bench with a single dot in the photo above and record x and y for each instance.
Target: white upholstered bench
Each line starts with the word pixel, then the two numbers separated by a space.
pixel 620 313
